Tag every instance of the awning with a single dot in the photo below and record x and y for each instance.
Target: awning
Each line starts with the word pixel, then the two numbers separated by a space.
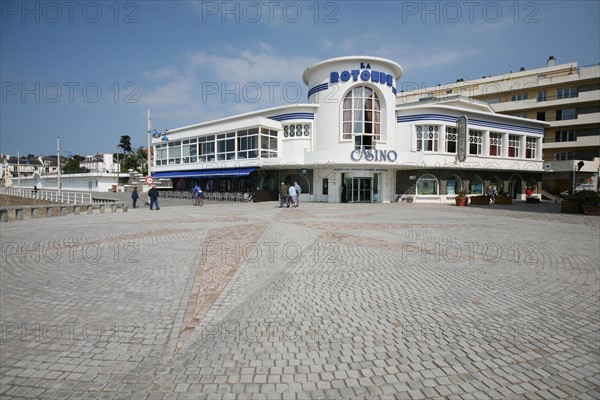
pixel 205 173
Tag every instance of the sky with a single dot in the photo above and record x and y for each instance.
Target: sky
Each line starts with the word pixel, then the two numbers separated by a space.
pixel 88 71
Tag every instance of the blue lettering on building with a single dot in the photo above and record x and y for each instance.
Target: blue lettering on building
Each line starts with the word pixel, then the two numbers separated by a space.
pixel 364 73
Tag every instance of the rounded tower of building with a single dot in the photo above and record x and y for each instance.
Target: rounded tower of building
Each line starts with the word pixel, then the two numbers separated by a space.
pixel 357 99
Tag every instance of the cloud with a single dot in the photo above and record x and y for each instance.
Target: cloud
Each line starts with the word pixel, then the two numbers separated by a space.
pixel 206 85
pixel 409 56
pixel 173 101
pixel 265 65
pixel 162 73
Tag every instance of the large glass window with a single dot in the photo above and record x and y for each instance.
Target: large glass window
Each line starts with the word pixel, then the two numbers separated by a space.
pixel 174 149
pixel 476 185
pixel 268 143
pixel 519 97
pixel 566 93
pixel 427 185
pixel 160 154
pixel 530 147
pixel 451 139
pixel 564 155
pixel 361 117
pixel 565 136
pixel 454 185
pixel 190 150
pixel 226 146
pixel 247 143
pixel 513 145
pixel 569 113
pixel 495 144
pixel 206 146
pixel 475 141
pixel 242 144
pixel 541 95
pixel 427 137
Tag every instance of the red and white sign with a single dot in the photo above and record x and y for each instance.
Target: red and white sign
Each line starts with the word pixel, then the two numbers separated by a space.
pixel 149 180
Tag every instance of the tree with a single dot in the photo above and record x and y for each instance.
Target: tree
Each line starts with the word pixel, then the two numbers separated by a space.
pixel 71 165
pixel 125 144
pixel 142 158
pixel 135 161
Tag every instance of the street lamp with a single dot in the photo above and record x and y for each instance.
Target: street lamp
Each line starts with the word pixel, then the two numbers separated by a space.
pixel 58 163
pixel 118 167
pixel 155 134
pixel 149 157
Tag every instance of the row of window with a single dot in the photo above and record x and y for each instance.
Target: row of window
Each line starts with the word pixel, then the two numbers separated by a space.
pixel 428 185
pixel 565 136
pixel 296 130
pixel 562 93
pixel 249 144
pixel 564 155
pixel 428 140
pixel 239 145
pixel 561 115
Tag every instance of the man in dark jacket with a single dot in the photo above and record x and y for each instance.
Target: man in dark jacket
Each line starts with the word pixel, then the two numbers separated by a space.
pixel 153 194
pixel 135 196
pixel 283 195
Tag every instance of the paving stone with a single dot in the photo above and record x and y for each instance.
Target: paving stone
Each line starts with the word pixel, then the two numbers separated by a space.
pixel 359 317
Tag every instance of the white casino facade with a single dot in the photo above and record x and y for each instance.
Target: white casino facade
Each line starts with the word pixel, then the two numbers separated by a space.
pixel 353 131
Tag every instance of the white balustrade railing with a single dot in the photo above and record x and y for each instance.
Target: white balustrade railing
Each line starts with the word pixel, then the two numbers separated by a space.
pixel 50 195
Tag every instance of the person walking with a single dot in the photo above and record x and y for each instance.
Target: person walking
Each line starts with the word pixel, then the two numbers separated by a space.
pixel 283 195
pixel 292 194
pixel 153 194
pixel 135 196
pixel 198 195
pixel 298 191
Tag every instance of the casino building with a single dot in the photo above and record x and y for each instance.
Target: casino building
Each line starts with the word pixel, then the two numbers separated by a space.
pixel 353 131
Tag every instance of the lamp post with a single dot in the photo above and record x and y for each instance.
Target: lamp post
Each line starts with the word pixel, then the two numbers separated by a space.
pixel 118 167
pixel 149 157
pixel 19 168
pixel 58 162
pixel 155 134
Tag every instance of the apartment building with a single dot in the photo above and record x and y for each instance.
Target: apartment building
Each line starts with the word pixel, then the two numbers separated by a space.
pixel 567 96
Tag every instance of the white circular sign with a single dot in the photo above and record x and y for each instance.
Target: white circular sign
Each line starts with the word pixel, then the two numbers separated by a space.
pixel 149 180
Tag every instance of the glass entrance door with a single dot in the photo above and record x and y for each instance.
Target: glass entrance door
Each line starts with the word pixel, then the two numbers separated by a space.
pixel 360 190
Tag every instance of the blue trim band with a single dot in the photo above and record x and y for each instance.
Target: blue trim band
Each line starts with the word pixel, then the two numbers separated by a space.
pixel 298 115
pixel 478 122
pixel 205 173
pixel 318 88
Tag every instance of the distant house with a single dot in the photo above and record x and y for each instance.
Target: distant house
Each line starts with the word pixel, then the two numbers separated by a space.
pixel 99 163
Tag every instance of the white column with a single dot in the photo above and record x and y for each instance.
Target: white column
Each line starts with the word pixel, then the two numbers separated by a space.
pixel 485 146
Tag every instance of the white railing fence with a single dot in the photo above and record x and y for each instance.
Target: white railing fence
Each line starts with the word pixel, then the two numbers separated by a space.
pixel 50 195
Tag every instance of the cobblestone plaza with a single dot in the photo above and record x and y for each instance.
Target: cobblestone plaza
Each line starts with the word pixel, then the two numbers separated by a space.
pixel 327 301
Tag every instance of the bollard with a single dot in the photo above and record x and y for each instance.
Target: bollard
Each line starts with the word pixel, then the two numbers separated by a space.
pixel 3 215
pixel 113 208
pixel 124 207
pixel 90 209
pixel 50 211
pixel 63 211
pixel 19 214
pixel 35 213
pixel 76 210
pixel 102 208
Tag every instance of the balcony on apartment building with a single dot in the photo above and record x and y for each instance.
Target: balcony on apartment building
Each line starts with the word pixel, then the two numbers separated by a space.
pixel 547 102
